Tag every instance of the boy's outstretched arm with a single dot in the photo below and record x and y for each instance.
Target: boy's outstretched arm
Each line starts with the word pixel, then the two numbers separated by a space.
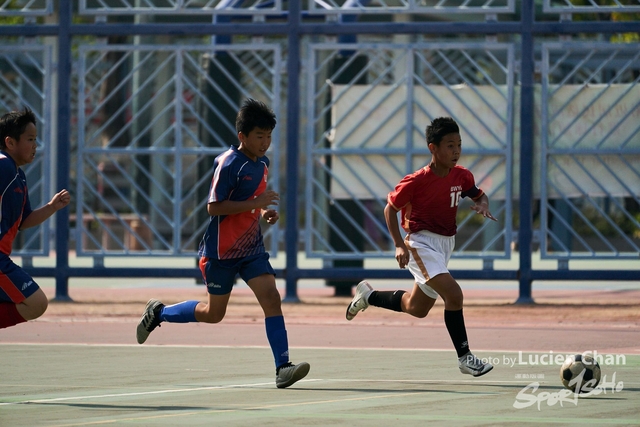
pixel 38 216
pixel 481 207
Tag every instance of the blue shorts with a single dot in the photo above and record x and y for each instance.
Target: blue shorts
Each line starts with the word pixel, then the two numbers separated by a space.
pixel 220 274
pixel 15 284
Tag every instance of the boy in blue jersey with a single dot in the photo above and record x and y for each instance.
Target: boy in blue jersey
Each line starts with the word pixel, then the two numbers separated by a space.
pixel 21 298
pixel 232 243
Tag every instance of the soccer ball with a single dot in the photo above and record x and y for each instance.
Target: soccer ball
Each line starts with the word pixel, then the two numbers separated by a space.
pixel 580 373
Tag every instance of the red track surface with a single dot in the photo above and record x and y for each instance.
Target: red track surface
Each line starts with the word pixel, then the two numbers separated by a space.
pixel 560 321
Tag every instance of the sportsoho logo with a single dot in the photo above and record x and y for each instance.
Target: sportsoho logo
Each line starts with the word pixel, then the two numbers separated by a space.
pixel 529 395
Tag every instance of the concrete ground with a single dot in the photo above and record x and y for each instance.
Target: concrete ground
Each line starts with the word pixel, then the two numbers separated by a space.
pixel 79 364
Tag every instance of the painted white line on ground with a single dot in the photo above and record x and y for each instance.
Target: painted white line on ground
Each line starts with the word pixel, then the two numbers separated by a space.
pixel 252 408
pixel 144 393
pixel 232 386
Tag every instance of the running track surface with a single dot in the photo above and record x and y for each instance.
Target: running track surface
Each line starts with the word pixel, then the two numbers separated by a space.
pixel 80 364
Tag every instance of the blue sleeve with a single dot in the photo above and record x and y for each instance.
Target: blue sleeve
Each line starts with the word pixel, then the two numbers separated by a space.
pixel 223 181
pixel 5 176
pixel 26 211
pixel 27 207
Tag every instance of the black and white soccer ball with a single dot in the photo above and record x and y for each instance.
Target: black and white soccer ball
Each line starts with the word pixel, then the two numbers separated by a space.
pixel 580 373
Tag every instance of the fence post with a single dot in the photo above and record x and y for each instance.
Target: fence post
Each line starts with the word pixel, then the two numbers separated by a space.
pixel 63 142
pixel 293 115
pixel 527 69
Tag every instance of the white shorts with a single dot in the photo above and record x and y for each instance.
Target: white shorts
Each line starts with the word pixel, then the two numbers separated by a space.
pixel 429 256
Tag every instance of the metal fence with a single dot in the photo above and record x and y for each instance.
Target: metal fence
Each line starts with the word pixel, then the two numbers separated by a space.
pixel 133 107
pixel 145 158
pixel 25 80
pixel 380 98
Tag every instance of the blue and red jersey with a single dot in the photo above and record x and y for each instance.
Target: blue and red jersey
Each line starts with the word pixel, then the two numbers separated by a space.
pixel 430 202
pixel 14 201
pixel 235 177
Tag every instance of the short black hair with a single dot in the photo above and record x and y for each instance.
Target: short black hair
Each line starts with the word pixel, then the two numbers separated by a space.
pixel 14 123
pixel 440 127
pixel 254 114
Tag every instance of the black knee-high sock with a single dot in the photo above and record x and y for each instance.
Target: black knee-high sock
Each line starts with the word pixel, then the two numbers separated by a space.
pixel 391 300
pixel 457 331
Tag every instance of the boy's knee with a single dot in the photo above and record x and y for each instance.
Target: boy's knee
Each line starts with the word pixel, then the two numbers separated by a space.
pixel 272 299
pixel 417 305
pixel 42 307
pixel 454 301
pixel 420 314
pixel 211 316
pixel 34 306
pixel 272 304
pixel 418 311
pixel 38 310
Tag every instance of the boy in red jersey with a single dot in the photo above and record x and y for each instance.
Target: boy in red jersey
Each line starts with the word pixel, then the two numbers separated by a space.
pixel 428 200
pixel 232 243
pixel 21 298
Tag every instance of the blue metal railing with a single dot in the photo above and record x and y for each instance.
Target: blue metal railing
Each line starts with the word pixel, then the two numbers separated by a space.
pixel 294 29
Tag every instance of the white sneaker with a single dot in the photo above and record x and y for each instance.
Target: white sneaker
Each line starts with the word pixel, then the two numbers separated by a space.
pixel 360 300
pixel 470 364
pixel 288 374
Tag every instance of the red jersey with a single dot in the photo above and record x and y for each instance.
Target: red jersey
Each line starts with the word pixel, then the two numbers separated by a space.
pixel 430 202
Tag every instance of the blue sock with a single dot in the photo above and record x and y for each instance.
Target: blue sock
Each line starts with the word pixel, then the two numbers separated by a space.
pixel 277 336
pixel 182 312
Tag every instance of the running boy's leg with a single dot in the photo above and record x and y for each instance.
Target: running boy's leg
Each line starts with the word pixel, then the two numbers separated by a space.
pixel 450 291
pixel 415 303
pixel 211 312
pixel 446 286
pixel 21 298
pixel 260 277
pixel 264 287
pixel 219 278
pixel 33 306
